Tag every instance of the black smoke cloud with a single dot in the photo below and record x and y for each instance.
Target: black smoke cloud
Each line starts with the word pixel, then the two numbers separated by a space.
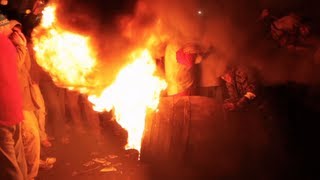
pixel 231 26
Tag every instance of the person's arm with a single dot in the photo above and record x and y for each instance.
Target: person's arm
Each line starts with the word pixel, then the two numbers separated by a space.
pixel 241 77
pixel 250 87
pixel 20 42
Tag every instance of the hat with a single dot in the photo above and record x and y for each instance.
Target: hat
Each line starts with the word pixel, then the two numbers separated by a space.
pixel 14 23
pixel 7 26
pixel 3 20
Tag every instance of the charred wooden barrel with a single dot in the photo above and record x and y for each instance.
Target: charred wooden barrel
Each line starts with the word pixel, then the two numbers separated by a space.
pixel 187 130
pixel 194 131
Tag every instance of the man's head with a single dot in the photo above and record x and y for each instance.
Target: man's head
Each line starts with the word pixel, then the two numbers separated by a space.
pixel 15 25
pixel 304 30
pixel 7 27
pixel 264 14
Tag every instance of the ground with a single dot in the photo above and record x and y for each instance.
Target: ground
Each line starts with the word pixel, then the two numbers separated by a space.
pixel 83 158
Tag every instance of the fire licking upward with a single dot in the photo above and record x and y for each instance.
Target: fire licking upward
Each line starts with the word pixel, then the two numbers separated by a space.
pixel 133 92
pixel 67 57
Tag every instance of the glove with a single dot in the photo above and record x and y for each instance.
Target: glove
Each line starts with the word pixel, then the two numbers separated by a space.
pixel 242 102
pixel 18 39
pixel 228 106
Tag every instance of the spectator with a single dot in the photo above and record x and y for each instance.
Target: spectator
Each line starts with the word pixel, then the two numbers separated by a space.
pixel 12 158
pixel 36 92
pixel 180 70
pixel 247 120
pixel 30 127
pixel 241 88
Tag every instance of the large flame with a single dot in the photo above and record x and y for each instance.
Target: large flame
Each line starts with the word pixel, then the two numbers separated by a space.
pixel 67 57
pixel 134 91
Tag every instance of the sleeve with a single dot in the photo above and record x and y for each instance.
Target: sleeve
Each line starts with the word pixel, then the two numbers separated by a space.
pixel 251 84
pixel 22 54
pixel 241 86
pixel 247 81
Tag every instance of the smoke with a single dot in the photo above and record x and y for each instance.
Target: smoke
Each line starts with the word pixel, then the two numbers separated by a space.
pixel 232 27
pixel 99 20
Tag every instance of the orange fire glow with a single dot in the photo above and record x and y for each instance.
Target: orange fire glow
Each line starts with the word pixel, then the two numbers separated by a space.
pixel 134 91
pixel 67 57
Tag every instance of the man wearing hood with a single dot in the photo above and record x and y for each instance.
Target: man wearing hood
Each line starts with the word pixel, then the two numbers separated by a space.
pixel 12 158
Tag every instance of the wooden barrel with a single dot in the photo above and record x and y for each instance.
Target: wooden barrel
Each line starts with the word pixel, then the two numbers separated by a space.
pixel 194 131
pixel 187 130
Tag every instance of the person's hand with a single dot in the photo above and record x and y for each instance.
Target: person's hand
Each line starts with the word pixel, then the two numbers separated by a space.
pixel 38 7
pixel 265 13
pixel 18 39
pixel 229 106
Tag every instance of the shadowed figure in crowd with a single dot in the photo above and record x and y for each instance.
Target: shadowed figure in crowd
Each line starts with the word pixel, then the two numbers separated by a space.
pixel 180 70
pixel 30 131
pixel 12 157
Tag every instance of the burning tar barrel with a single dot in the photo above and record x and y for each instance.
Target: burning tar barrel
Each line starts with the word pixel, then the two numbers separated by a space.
pixel 188 130
pixel 195 132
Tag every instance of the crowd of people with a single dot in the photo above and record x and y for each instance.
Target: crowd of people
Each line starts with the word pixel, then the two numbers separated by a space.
pixel 41 102
pixel 30 101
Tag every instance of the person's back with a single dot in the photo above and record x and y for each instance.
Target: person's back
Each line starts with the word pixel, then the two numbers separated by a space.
pixel 10 95
pixel 179 67
pixel 172 68
pixel 12 159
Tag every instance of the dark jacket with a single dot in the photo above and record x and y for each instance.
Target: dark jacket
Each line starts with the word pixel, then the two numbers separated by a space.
pixel 241 86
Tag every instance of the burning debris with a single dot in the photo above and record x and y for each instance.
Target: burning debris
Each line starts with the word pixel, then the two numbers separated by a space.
pixel 108 169
pixel 120 164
